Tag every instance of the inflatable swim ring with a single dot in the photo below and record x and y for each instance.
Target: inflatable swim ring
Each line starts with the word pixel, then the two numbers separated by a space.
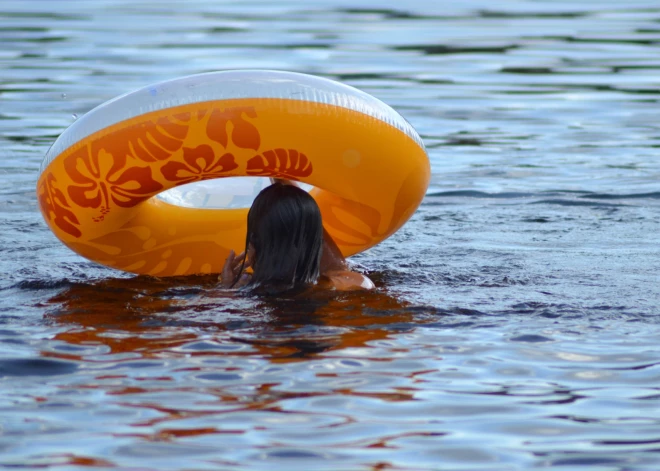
pixel 98 182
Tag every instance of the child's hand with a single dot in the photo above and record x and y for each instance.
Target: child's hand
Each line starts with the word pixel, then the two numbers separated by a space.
pixel 232 269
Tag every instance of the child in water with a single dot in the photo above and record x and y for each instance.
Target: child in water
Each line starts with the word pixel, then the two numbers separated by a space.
pixel 287 247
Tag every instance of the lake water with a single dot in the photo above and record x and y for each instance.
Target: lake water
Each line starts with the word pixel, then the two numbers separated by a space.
pixel 515 324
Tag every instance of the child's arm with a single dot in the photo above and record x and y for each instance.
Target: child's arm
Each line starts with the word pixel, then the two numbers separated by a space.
pixel 331 257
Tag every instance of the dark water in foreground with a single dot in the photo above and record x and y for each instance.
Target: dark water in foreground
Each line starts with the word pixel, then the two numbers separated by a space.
pixel 516 322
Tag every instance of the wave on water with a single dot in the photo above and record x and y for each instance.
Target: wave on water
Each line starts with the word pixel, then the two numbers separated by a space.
pixel 35 367
pixel 542 194
pixel 607 196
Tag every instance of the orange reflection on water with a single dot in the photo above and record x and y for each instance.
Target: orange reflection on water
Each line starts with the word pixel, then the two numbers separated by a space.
pixel 187 330
pixel 149 316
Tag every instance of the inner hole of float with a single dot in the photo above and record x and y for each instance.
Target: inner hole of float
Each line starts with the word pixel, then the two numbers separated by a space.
pixel 220 193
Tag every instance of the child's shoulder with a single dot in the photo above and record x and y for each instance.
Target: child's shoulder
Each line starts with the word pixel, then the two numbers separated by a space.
pixel 345 280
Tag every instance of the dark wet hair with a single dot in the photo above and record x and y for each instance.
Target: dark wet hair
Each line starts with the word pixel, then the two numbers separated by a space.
pixel 285 229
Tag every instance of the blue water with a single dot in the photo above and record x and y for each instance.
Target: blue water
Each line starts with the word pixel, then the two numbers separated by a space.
pixel 515 323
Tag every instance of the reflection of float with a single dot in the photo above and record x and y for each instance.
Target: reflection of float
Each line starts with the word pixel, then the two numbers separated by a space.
pixel 153 318
pixel 97 184
pixel 167 355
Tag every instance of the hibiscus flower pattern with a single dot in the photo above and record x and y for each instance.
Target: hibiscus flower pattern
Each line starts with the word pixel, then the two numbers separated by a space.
pixel 130 162
pixel 244 134
pixel 281 163
pixel 350 234
pixel 199 163
pixel 149 141
pixel 101 179
pixel 55 207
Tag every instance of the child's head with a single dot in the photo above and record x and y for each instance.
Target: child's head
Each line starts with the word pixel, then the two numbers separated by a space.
pixel 284 238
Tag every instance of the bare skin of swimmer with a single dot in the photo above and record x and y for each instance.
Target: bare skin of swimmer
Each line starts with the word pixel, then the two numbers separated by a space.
pixel 334 271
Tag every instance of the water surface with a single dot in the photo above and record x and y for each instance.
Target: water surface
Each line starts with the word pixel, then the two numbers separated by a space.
pixel 515 323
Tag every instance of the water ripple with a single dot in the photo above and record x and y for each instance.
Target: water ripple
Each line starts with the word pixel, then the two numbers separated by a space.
pixel 515 323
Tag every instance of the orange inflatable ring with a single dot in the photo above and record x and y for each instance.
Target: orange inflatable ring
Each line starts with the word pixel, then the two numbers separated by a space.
pixel 98 182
